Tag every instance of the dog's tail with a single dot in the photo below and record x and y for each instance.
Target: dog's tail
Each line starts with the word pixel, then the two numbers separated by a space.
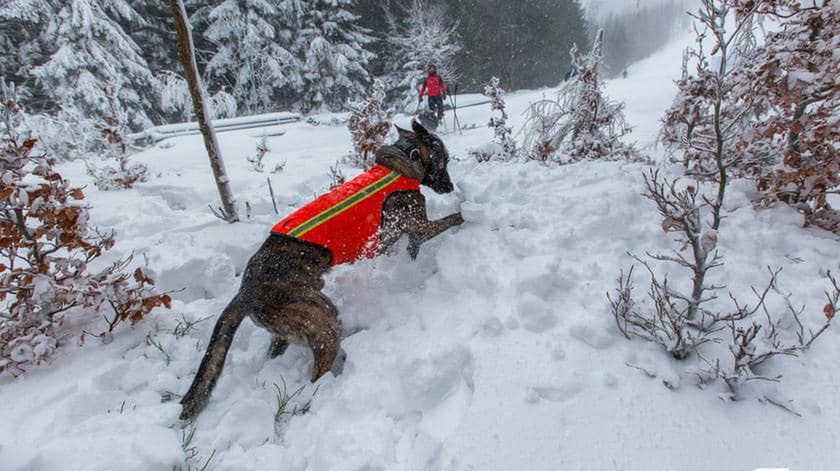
pixel 214 359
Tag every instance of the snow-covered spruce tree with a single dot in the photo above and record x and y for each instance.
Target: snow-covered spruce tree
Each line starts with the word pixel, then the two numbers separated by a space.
pixel 794 75
pixel 332 50
pixel 369 124
pixel 20 27
pixel 174 94
pixel 176 102
pixel 156 34
pixel 186 54
pixel 423 34
pixel 86 49
pixel 708 115
pixel 503 147
pixel 156 39
pixel 253 54
pixel 62 56
pixel 46 250
pixel 579 122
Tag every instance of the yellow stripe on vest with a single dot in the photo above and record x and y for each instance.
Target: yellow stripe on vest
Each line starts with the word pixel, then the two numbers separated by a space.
pixel 344 205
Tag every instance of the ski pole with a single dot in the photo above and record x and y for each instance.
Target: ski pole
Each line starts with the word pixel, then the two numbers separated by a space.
pixel 455 121
pixel 453 102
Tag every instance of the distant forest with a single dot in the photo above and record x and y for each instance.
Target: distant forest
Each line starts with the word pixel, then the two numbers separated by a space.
pixel 640 32
pixel 79 59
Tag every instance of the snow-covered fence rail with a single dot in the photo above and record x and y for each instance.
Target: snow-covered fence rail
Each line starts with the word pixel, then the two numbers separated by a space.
pixel 159 133
pixel 483 102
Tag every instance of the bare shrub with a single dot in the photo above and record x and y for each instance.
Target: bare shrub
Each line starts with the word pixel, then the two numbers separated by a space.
pixel 710 113
pixel 256 160
pixel 580 121
pixel 794 75
pixel 503 147
pixel 337 178
pixel 369 124
pixel 46 248
pixel 760 338
pixel 263 150
pixel 683 322
pixel 751 334
pixel 677 314
pixel 113 131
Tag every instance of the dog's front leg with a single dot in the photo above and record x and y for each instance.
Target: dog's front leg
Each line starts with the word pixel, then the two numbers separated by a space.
pixel 421 230
pixel 405 213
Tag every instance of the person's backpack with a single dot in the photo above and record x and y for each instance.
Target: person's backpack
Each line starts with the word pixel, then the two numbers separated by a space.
pixel 428 119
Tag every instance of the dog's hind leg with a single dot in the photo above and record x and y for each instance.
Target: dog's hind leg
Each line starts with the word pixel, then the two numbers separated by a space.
pixel 305 317
pixel 279 344
pixel 214 359
pixel 321 329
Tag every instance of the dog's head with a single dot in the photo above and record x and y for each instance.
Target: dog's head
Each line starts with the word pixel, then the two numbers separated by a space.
pixel 421 155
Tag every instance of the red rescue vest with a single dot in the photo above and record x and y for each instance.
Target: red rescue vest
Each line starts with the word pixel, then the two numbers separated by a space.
pixel 347 219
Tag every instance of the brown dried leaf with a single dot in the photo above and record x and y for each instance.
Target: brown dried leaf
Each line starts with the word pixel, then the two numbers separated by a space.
pixel 27 146
pixel 670 224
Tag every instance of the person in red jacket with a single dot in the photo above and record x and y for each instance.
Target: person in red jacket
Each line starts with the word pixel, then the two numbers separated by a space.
pixel 435 89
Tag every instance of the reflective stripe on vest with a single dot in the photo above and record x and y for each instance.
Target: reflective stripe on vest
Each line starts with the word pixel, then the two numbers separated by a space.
pixel 347 219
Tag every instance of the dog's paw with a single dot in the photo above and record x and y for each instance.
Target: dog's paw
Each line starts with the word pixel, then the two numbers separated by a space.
pixel 413 250
pixel 338 364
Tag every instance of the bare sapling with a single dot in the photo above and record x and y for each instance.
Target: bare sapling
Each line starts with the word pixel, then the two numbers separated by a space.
pixel 689 322
pixel 186 54
pixel 702 126
pixel 369 125
pixel 113 131
pixel 503 147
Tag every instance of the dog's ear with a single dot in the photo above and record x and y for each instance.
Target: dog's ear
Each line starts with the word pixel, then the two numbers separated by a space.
pixel 395 159
pixel 405 134
pixel 418 128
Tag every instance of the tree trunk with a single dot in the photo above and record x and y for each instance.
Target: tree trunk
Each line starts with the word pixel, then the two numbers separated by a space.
pixel 186 54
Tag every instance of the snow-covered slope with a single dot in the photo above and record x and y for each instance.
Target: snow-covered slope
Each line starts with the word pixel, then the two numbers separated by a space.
pixel 495 350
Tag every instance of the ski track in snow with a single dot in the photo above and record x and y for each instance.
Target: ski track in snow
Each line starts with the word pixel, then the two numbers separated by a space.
pixel 495 350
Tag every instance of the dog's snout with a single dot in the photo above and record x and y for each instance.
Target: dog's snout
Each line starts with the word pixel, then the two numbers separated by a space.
pixel 442 184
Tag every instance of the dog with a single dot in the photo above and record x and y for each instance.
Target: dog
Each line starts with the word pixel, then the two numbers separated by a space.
pixel 282 282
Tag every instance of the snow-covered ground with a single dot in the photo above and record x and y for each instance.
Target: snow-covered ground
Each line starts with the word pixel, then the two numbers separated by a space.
pixel 495 350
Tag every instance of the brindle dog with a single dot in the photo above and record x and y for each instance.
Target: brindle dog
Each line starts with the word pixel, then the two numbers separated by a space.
pixel 281 285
